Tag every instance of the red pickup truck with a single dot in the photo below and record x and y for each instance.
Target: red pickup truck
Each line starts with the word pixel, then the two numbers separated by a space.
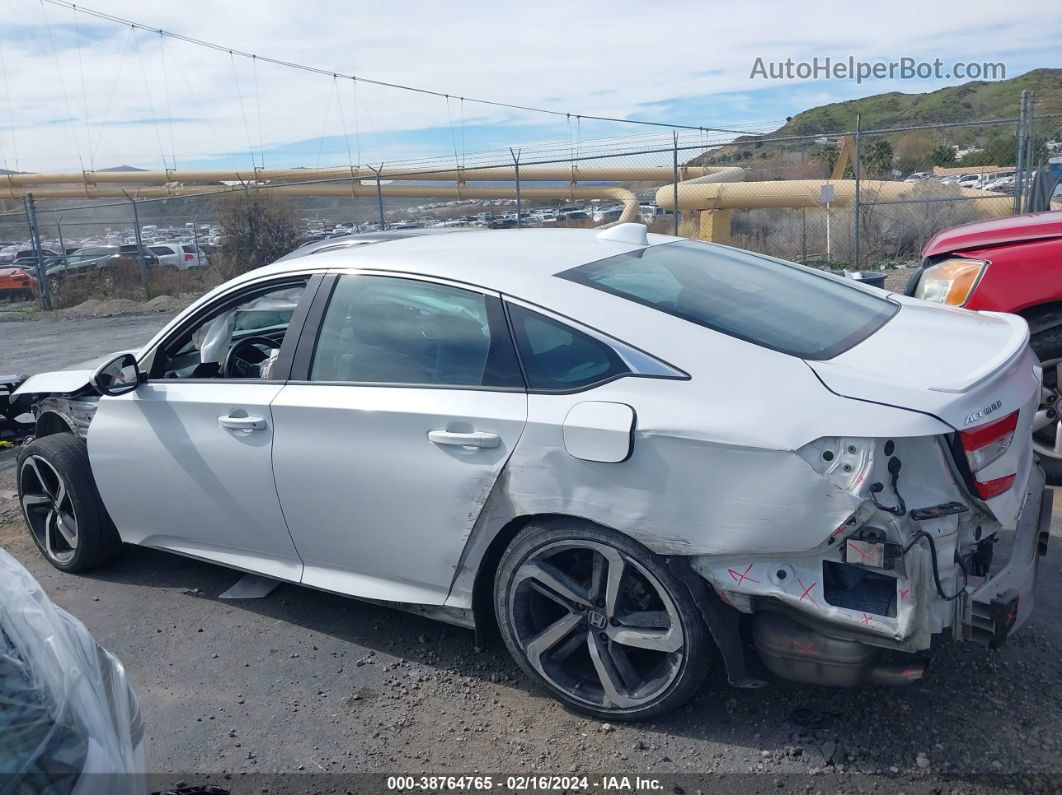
pixel 1008 265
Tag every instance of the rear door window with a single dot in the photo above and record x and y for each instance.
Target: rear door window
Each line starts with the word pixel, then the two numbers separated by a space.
pixel 396 331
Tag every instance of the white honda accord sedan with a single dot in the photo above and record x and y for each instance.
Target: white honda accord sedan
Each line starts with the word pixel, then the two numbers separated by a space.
pixel 622 452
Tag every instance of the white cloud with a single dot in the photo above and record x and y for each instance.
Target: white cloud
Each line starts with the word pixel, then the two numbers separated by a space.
pixel 619 58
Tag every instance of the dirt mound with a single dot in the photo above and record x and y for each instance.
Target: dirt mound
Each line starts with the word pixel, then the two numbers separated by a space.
pixel 109 307
pixel 165 303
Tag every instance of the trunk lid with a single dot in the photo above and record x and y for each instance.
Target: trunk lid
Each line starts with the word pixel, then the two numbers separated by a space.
pixel 966 368
pixel 952 363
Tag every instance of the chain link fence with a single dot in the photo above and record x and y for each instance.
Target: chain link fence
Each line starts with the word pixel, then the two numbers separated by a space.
pixel 861 199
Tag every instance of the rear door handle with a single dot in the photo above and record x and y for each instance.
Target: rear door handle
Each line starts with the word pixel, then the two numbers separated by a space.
pixel 231 423
pixel 471 439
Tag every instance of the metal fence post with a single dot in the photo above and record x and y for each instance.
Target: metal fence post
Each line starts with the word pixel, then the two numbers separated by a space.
pixel 35 237
pixel 1020 156
pixel 1030 167
pixel 857 168
pixel 195 236
pixel 675 180
pixel 139 245
pixel 379 197
pixel 516 168
pixel 62 245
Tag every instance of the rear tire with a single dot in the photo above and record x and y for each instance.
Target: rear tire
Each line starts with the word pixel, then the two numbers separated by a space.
pixel 599 621
pixel 1047 345
pixel 62 508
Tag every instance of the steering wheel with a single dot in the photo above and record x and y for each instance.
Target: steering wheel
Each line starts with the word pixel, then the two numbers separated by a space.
pixel 247 354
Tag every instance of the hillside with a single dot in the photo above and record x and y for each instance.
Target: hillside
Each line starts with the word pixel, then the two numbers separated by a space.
pixel 970 101
pixel 906 151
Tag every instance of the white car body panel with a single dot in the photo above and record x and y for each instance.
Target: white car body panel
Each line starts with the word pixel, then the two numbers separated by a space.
pixel 376 508
pixel 172 477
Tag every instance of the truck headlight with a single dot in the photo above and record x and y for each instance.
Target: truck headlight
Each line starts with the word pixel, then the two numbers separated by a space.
pixel 950 281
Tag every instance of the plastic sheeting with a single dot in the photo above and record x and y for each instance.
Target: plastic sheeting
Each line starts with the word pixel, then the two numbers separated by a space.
pixel 69 722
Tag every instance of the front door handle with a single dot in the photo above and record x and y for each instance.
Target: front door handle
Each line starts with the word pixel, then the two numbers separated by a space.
pixel 231 423
pixel 470 439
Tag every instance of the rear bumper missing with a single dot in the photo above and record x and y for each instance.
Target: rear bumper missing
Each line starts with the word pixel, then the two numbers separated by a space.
pixel 1002 602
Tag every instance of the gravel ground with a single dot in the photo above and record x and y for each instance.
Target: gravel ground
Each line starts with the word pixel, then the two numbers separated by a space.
pixel 307 682
pixel 30 347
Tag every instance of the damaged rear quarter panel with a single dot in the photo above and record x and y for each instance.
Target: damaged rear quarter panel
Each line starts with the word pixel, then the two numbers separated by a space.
pixel 723 478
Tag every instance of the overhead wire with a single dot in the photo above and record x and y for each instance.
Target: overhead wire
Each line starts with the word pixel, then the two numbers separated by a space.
pixel 62 85
pixel 151 102
pixel 383 83
pixel 10 105
pixel 84 92
pixel 243 110
pixel 169 106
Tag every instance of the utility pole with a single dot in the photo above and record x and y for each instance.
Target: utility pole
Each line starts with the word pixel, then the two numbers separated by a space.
pixel 139 244
pixel 35 237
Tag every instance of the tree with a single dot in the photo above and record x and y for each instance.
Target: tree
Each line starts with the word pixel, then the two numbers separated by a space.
pixel 942 155
pixel 913 150
pixel 257 227
pixel 828 154
pixel 878 158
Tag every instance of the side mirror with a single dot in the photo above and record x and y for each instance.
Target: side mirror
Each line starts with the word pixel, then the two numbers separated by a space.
pixel 118 376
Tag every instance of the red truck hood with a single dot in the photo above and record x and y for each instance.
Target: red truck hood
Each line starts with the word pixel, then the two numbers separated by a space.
pixel 998 231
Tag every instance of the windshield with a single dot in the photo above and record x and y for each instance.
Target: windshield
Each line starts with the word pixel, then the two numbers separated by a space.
pixel 772 303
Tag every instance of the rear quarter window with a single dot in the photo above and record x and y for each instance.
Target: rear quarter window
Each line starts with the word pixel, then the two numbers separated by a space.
pixel 768 302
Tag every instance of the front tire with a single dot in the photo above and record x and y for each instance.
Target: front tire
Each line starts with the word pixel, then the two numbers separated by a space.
pixel 61 505
pixel 599 621
pixel 1047 436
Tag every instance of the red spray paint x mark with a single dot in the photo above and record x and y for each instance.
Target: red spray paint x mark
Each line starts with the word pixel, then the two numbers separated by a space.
pixel 739 576
pixel 802 647
pixel 905 593
pixel 859 551
pixel 866 618
pixel 807 592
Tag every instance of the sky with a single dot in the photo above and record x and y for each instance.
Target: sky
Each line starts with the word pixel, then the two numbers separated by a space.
pixel 81 93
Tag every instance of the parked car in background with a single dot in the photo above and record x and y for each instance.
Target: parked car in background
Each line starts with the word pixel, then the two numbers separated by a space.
pixel 606 472
pixel 85 259
pixel 129 251
pixel 1008 265
pixel 93 258
pixel 180 255
pixel 17 283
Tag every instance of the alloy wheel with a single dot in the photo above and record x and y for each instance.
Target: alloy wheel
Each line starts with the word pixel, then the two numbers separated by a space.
pixel 1047 424
pixel 596 624
pixel 49 509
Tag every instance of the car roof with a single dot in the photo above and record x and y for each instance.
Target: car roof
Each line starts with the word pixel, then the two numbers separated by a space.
pixel 512 261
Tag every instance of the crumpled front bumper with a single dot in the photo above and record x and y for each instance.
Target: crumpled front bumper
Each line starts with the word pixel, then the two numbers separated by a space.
pixel 1003 601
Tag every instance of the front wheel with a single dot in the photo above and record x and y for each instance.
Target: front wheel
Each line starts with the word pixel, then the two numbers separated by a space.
pixel 1047 424
pixel 61 505
pixel 599 621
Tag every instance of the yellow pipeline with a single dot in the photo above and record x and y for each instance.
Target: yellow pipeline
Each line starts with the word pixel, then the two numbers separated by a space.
pixel 573 173
pixel 797 193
